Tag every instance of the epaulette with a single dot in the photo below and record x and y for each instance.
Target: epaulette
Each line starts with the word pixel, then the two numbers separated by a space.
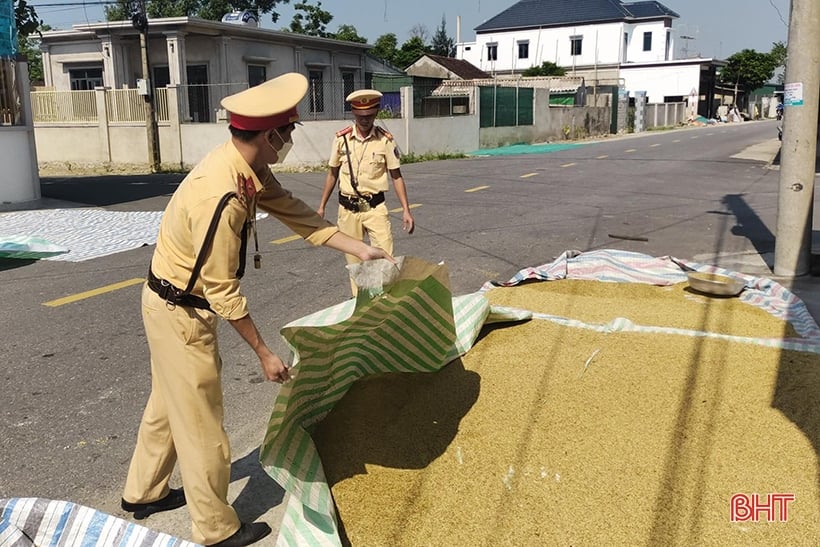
pixel 345 131
pixel 384 132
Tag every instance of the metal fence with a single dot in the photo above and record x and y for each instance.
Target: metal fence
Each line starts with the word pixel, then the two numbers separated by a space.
pixel 11 111
pixel 64 106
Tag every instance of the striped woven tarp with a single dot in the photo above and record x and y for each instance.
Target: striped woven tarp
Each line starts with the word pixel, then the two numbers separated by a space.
pixel 42 522
pixel 629 267
pixel 415 326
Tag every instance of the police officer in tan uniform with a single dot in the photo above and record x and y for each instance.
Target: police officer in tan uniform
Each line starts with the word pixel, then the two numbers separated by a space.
pixel 194 281
pixel 361 158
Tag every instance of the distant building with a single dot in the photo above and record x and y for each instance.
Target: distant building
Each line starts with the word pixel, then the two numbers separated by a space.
pixel 211 58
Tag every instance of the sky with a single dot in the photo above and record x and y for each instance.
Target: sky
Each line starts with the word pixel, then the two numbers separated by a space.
pixel 716 28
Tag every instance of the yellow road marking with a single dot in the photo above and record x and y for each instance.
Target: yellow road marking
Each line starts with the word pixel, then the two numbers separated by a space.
pixel 399 209
pixel 602 157
pixel 93 292
pixel 569 164
pixel 477 188
pixel 288 239
pixel 631 150
pixel 528 175
pixel 654 145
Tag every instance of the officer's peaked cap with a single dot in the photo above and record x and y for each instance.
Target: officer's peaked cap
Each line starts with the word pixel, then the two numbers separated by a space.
pixel 365 99
pixel 268 105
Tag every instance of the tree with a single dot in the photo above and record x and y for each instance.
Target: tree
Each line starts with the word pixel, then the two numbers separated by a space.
pixel 29 31
pixel 779 54
pixel 26 19
pixel 385 48
pixel 121 10
pixel 349 33
pixel 547 68
pixel 313 22
pixel 748 70
pixel 419 31
pixel 443 44
pixel 410 51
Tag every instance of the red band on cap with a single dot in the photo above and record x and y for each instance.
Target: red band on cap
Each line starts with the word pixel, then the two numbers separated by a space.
pixel 249 123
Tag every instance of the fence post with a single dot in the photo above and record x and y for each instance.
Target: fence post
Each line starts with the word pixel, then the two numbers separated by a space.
pixel 406 93
pixel 174 127
pixel 102 121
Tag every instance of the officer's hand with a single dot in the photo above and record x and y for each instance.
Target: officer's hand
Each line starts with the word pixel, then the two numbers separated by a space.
pixel 407 222
pixel 321 212
pixel 372 253
pixel 274 369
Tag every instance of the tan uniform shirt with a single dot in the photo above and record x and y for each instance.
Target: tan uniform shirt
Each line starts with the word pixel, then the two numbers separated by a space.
pixel 371 158
pixel 188 215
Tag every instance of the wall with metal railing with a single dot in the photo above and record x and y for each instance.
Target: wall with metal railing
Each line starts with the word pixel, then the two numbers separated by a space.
pixel 108 127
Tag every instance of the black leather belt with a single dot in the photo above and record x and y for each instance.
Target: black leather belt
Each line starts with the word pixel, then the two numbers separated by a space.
pixel 361 204
pixel 175 296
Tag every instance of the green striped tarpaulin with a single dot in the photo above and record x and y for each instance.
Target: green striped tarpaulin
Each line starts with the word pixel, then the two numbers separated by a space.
pixel 414 326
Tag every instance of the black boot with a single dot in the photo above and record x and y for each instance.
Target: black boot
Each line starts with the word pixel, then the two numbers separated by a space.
pixel 248 533
pixel 174 500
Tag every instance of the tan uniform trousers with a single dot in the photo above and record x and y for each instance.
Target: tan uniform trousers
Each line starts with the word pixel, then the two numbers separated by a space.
pixel 375 223
pixel 183 418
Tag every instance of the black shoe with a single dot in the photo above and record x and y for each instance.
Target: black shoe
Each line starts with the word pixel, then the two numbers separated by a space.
pixel 174 500
pixel 248 533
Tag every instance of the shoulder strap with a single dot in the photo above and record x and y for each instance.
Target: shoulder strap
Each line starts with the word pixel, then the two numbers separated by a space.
pixel 209 238
pixel 353 182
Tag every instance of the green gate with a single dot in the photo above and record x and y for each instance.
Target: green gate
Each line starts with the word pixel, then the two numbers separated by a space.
pixel 505 106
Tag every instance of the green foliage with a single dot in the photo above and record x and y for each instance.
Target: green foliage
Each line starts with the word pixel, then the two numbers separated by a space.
pixel 418 158
pixel 410 51
pixel 26 19
pixel 385 48
pixel 29 31
pixel 213 10
pixel 313 22
pixel 779 54
pixel 443 44
pixel 749 69
pixel 547 68
pixel 349 33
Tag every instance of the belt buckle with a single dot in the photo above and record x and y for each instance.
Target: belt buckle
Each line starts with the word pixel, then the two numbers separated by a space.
pixel 363 205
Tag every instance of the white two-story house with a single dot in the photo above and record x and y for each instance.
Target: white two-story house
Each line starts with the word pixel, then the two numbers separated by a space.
pixel 607 42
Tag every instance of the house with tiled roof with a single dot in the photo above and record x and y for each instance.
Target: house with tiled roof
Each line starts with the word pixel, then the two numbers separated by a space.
pixel 607 42
pixel 445 68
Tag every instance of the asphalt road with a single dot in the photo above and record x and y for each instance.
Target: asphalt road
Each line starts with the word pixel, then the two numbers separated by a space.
pixel 76 375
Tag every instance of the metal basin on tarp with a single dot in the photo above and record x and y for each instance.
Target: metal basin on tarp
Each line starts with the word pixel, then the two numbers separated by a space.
pixel 715 284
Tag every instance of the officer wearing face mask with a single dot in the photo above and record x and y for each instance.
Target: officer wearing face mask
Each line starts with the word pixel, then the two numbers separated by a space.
pixel 194 280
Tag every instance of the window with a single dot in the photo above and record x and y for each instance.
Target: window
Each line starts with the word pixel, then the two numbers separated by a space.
pixel 347 89
pixel 162 77
pixel 257 74
pixel 524 49
pixel 85 79
pixel 316 91
pixel 647 41
pixel 575 45
pixel 492 52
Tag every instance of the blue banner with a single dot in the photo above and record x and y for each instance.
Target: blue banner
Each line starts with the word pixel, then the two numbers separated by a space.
pixel 8 29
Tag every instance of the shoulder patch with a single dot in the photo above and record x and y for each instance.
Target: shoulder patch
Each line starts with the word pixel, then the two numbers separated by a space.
pixel 384 132
pixel 345 131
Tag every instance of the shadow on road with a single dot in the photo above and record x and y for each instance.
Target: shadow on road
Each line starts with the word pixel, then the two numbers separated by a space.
pixel 261 492
pixel 110 189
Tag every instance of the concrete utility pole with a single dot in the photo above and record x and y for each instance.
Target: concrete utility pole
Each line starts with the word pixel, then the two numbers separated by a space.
pixel 798 151
pixel 140 22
